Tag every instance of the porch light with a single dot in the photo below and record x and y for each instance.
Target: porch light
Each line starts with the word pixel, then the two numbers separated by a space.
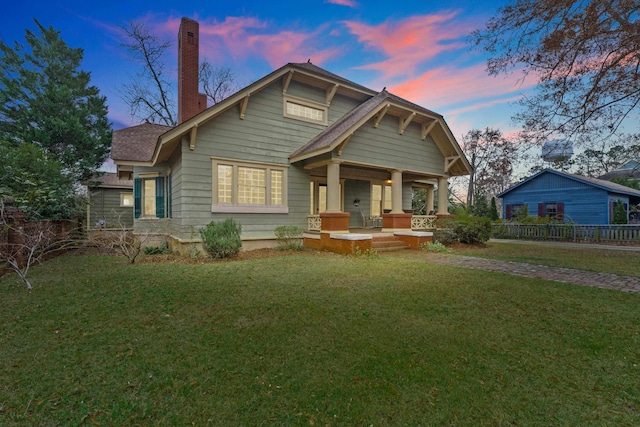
pixel 388 181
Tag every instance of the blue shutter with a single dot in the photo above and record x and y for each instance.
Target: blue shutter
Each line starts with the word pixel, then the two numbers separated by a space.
pixel 160 197
pixel 169 198
pixel 137 197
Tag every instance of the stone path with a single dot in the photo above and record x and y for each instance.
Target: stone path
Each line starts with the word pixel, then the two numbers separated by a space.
pixel 558 274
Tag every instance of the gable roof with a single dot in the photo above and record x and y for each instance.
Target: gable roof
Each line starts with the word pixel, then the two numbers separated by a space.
pixel 110 180
pixel 372 102
pixel 594 182
pixel 136 143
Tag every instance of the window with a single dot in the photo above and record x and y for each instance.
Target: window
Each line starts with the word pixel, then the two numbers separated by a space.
pixel 552 210
pixel 380 199
pixel 305 110
pixel 318 196
pixel 249 187
pixel 149 196
pixel 126 200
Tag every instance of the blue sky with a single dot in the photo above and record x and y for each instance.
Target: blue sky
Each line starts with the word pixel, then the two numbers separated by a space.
pixel 417 49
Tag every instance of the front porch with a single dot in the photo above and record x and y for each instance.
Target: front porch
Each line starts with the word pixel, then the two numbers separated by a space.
pixel 392 234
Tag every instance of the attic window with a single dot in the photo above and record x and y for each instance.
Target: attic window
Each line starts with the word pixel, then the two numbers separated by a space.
pixel 190 37
pixel 299 109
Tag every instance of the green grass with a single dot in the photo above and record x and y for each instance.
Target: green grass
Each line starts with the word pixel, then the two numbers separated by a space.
pixel 311 339
pixel 602 260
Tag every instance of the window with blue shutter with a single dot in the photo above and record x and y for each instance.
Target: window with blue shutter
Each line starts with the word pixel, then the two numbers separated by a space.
pixel 160 197
pixel 137 197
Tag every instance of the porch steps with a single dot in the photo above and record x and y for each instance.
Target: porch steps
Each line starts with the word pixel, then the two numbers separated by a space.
pixel 387 243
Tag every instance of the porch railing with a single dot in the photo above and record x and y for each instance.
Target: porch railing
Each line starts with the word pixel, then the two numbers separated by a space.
pixel 423 222
pixel 595 233
pixel 314 223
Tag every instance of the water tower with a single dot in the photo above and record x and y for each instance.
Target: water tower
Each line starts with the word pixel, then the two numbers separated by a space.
pixel 557 150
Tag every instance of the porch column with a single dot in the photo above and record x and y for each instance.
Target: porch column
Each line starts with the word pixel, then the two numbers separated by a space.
pixel 396 192
pixel 430 199
pixel 333 187
pixel 443 196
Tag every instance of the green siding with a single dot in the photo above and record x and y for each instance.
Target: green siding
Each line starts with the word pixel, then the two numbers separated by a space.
pixel 386 147
pixel 104 204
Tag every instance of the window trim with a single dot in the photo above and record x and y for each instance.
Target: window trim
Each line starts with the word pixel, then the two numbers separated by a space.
pixel 129 193
pixel 234 206
pixel 305 103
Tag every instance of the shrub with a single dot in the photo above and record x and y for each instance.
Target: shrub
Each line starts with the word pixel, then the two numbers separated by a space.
pixel 289 237
pixel 619 213
pixel 445 235
pixel 222 239
pixel 157 250
pixel 472 229
pixel 435 246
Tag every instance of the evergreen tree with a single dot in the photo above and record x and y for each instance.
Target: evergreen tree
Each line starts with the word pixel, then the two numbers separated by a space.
pixel 480 206
pixel 619 213
pixel 493 210
pixel 46 100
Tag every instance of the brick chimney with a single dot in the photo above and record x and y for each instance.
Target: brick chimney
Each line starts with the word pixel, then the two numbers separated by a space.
pixel 190 101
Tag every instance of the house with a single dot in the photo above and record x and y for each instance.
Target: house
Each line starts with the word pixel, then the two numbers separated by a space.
pixel 301 146
pixel 630 170
pixel 567 197
pixel 110 202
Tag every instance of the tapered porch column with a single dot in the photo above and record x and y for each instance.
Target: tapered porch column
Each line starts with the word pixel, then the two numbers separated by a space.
pixel 333 187
pixel 396 192
pixel 430 199
pixel 396 220
pixel 333 219
pixel 443 196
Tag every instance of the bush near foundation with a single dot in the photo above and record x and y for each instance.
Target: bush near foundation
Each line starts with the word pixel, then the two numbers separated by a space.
pixel 222 239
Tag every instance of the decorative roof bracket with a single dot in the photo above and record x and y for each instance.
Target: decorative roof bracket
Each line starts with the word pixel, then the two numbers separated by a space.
pixel 243 106
pixel 331 91
pixel 378 117
pixel 286 81
pixel 403 123
pixel 343 144
pixel 449 161
pixel 427 127
pixel 194 134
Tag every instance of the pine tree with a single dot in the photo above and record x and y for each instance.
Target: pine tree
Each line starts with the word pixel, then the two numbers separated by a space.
pixel 493 210
pixel 45 99
pixel 619 213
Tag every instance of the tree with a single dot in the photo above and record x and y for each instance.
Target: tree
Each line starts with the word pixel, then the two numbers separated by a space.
pixel 46 100
pixel 594 163
pixel 150 94
pixel 493 210
pixel 38 184
pixel 619 213
pixel 492 157
pixel 585 56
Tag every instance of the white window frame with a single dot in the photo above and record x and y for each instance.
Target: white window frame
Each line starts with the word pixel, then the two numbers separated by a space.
pixel 234 206
pixel 122 198
pixel 305 103
pixel 144 177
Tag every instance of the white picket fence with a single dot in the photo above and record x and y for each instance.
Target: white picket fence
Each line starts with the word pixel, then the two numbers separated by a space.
pixel 591 233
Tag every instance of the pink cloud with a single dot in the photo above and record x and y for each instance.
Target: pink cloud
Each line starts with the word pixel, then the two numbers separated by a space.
pixel 245 37
pixel 448 86
pixel 410 42
pixel 348 3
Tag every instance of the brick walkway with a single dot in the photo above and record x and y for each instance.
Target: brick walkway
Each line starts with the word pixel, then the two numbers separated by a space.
pixel 558 274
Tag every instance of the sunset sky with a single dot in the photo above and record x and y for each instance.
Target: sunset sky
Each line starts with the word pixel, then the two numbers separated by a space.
pixel 417 49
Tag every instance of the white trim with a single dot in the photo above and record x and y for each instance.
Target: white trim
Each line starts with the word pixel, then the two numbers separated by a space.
pixel 234 206
pixel 413 233
pixel 249 209
pixel 351 236
pixel 305 103
pixel 124 193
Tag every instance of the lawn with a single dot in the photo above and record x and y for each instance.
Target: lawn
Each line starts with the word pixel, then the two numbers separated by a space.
pixel 603 260
pixel 312 339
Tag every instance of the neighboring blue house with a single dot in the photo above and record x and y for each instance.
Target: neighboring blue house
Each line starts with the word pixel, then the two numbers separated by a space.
pixel 567 197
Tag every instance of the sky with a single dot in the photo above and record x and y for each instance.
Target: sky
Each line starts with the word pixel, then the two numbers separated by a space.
pixel 416 49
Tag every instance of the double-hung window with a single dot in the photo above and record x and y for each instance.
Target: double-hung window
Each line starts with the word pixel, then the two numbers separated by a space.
pixel 249 187
pixel 149 196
